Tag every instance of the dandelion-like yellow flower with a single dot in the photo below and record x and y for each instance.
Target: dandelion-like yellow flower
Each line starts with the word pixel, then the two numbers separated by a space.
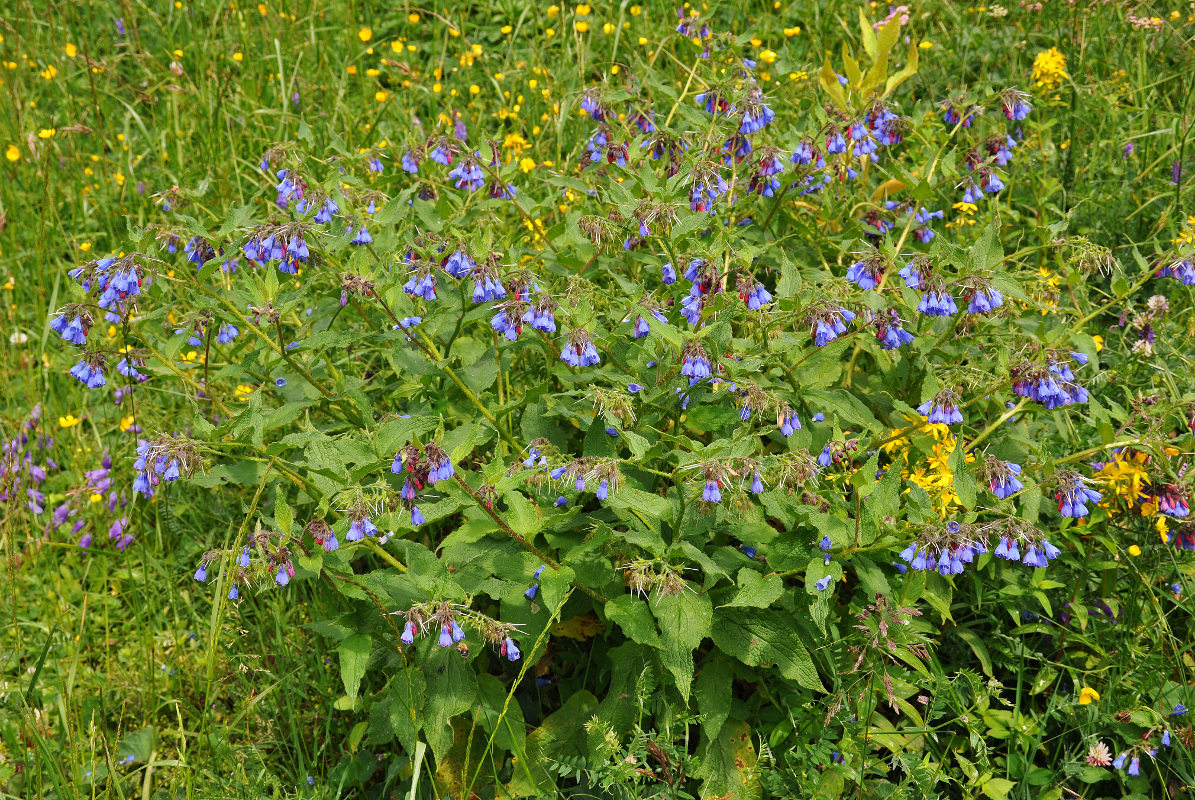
pixel 1087 695
pixel 1049 68
pixel 1124 480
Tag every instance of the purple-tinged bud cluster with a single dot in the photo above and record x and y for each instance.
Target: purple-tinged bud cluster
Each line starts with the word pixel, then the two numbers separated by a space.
pixel 579 351
pixel 941 409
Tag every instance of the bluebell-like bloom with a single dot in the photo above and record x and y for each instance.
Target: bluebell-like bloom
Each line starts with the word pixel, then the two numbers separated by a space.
pixel 634 388
pixel 421 285
pixel 579 350
pixel 243 558
pixel 459 264
pixel 360 528
pixel 1074 494
pixel 408 633
pixel 757 297
pixel 362 236
pixel 937 304
pixel 1134 766
pixel 1004 482
pixel 417 517
pixel 669 273
pixel 510 649
pixel 696 364
pixel 561 501
pixel 73 330
pixel 824 458
pixel 823 583
pixel 985 300
pixel 201 573
pixel 756 484
pixel 787 421
pixel 603 490
pixel 866 274
pixel 227 333
pixel 941 409
pixel 712 493
pixel 445 635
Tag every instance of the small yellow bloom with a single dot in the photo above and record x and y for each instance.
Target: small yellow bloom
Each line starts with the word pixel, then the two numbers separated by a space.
pixel 85 246
pixel 365 34
pixel 49 72
pixel 475 89
pixel 506 29
pixel 768 57
pixel 71 50
pixel 352 69
pixel 126 423
pixel 553 10
pixel 636 11
pixel 261 9
pixel 1134 551
pixel 642 40
pixel 178 53
pixel 380 96
pixel 437 88
pixel 96 498
pixel 582 26
pixel 373 72
pixel 926 45
pixel 527 164
pixel 1087 695
pixel 189 356
pixel 412 18
pixel 583 10
pixel 238 56
pixel 242 392
pixel 12 153
pixel 549 32
pixel 69 421
pixel 793 31
pixel 609 28
pixel 1099 342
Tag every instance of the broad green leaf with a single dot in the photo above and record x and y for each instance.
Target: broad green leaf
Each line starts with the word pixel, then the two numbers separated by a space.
pixel 684 619
pixel 766 637
pixel 354 656
pixel 755 590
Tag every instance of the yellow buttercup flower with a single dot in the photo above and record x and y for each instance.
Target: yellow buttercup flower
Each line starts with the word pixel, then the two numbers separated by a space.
pixel 47 133
pixel 1134 550
pixel 527 164
pixel 243 392
pixel 1088 695
pixel 69 421
pixel 126 423
pixel 365 34
pixel 12 153
pixel 70 50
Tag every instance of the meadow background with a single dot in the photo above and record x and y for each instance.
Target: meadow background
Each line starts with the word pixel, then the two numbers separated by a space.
pixel 121 676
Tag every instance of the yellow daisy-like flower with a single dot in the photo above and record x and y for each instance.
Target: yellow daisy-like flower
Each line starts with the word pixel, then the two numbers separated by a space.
pixel 1087 695
pixel 69 421
pixel 1134 550
pixel 70 50
pixel 1124 479
pixel 12 153
pixel 365 34
pixel 768 57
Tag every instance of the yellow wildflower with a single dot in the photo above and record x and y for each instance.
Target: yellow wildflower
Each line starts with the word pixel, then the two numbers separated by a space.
pixel 1088 695
pixel 71 50
pixel 12 153
pixel 69 421
pixel 365 34
pixel 1049 68
pixel 243 392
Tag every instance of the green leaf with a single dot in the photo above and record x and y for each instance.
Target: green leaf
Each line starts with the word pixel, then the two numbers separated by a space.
pixel 684 619
pixel 713 691
pixel 764 638
pixel 554 585
pixel 964 481
pixel 630 614
pixel 755 590
pixel 406 695
pixel 998 788
pixel 451 689
pixel 727 764
pixel 354 656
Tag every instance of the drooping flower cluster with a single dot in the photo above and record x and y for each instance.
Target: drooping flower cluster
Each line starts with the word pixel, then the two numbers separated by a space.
pixel 445 619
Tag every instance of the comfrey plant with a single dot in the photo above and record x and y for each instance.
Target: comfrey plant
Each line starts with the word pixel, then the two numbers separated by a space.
pixel 721 378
